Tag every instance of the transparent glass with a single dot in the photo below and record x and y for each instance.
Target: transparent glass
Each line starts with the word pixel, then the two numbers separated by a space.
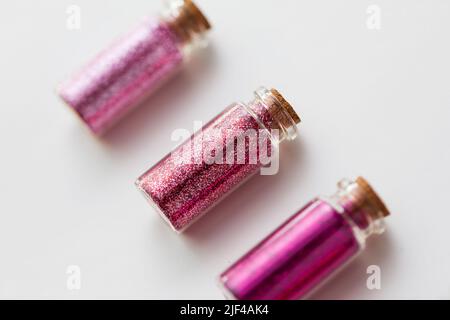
pixel 213 162
pixel 133 67
pixel 309 248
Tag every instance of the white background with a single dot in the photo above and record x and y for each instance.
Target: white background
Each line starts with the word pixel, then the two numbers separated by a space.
pixel 373 103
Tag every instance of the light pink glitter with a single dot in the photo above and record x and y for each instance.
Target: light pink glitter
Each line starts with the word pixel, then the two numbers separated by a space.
pixel 123 75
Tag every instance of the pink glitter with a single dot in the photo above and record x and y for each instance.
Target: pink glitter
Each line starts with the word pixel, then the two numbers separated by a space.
pixel 308 248
pixel 133 67
pixel 182 192
pixel 123 75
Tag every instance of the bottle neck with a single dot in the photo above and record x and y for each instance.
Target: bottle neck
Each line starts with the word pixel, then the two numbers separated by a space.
pixel 362 207
pixel 186 21
pixel 274 114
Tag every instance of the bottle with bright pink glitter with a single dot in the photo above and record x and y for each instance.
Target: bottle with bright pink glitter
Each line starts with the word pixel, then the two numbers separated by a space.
pixel 213 162
pixel 134 66
pixel 309 247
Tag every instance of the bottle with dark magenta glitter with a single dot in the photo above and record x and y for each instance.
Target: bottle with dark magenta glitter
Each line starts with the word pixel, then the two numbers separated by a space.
pixel 214 161
pixel 309 247
pixel 132 68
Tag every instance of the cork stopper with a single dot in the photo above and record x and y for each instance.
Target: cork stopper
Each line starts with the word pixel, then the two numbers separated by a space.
pixel 187 21
pixel 283 115
pixel 285 105
pixel 371 198
pixel 364 196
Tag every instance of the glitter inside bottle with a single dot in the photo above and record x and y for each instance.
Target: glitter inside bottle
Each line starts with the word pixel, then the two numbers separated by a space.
pixel 308 248
pixel 134 66
pixel 186 183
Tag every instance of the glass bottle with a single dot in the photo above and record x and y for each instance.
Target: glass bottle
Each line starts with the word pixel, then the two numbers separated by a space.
pixel 134 66
pixel 214 161
pixel 309 247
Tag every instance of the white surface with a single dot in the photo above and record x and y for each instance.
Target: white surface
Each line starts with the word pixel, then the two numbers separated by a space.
pixel 374 103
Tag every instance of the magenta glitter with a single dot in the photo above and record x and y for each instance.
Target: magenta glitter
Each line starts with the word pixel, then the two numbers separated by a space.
pixel 122 76
pixel 182 192
pixel 307 249
pixel 295 258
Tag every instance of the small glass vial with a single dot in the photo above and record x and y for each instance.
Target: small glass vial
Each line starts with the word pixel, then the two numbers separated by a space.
pixel 214 161
pixel 132 68
pixel 309 247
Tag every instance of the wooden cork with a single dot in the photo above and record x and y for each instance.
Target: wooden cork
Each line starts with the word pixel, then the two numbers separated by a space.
pixel 201 21
pixel 286 105
pixel 190 21
pixel 281 111
pixel 370 198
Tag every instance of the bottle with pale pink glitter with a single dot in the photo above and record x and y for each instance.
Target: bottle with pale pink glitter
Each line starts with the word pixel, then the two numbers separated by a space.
pixel 310 247
pixel 190 181
pixel 134 66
